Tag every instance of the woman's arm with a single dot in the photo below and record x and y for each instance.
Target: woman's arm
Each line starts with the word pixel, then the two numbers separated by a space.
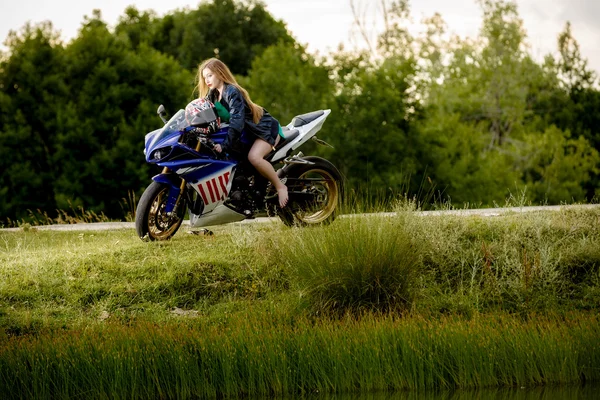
pixel 237 108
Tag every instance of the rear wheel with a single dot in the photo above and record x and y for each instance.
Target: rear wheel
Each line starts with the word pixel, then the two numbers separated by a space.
pixel 152 222
pixel 323 182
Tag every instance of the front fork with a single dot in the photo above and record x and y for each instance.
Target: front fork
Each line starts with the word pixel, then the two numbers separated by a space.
pixel 176 188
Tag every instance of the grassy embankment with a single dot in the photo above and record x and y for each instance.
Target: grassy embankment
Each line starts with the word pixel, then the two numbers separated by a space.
pixel 366 304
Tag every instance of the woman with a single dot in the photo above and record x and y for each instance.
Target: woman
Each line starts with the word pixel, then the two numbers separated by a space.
pixel 216 82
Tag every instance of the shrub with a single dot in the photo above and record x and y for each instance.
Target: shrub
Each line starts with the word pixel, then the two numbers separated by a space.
pixel 354 265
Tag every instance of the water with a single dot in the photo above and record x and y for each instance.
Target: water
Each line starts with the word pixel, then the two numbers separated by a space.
pixel 585 392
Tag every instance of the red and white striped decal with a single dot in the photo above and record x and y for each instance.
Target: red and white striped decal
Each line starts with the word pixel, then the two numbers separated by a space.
pixel 214 189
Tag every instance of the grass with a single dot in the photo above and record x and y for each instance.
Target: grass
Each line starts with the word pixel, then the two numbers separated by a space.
pixel 354 265
pixel 520 262
pixel 256 355
pixel 366 304
pixel 74 215
pixel 54 277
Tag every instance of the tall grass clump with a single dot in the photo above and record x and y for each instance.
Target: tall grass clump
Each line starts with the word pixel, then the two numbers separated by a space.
pixel 252 356
pixel 355 264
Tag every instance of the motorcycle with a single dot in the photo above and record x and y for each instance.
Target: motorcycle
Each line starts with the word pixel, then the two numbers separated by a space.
pixel 218 189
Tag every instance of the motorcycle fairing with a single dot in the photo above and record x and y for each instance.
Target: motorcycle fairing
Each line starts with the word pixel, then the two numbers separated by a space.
pixel 213 184
pixel 165 137
pixel 212 180
pixel 307 128
pixel 220 215
pixel 214 187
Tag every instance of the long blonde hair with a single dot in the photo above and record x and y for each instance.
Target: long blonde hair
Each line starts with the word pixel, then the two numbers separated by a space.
pixel 223 73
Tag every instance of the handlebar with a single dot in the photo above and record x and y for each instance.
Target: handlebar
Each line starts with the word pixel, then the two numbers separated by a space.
pixel 202 136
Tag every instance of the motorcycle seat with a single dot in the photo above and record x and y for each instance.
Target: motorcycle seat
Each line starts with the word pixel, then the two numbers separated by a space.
pixel 300 120
pixel 290 134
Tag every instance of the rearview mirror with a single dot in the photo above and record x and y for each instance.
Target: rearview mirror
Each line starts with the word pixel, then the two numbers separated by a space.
pixel 162 113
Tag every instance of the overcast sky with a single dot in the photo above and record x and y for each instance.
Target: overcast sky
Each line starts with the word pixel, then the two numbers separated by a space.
pixel 323 24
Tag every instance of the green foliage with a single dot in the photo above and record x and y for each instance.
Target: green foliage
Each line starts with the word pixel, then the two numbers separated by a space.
pixel 475 118
pixel 371 127
pixel 32 78
pixel 253 354
pixel 102 130
pixel 579 113
pixel 521 263
pixel 489 116
pixel 272 86
pixel 81 113
pixel 463 166
pixel 573 68
pixel 235 31
pixel 557 167
pixel 356 265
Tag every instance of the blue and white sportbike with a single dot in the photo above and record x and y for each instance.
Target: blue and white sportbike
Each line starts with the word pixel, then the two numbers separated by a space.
pixel 220 188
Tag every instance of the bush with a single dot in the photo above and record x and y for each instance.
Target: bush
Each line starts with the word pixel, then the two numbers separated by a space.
pixel 357 264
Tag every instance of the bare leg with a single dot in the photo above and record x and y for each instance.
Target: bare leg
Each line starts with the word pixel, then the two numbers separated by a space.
pixel 259 150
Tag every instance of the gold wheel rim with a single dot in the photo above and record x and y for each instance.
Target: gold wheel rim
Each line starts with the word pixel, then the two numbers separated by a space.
pixel 157 217
pixel 327 188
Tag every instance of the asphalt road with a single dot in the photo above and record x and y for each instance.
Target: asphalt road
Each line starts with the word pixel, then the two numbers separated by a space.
pixel 485 212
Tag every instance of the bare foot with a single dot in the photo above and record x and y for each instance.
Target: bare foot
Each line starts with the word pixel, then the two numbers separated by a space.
pixel 282 193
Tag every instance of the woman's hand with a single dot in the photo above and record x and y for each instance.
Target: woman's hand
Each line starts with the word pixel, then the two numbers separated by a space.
pixel 218 148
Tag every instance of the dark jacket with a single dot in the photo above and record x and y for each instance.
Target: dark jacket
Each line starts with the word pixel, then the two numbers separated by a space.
pixel 241 118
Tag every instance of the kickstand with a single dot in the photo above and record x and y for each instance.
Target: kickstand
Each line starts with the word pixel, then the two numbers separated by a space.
pixel 202 231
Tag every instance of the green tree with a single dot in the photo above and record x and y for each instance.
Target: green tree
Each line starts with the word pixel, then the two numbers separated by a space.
pixel 556 167
pixel 573 68
pixel 137 27
pixel 288 82
pixel 502 69
pixel 491 90
pixel 115 92
pixel 32 90
pixel 371 125
pixel 579 112
pixel 232 30
pixel 374 107
pixel 460 163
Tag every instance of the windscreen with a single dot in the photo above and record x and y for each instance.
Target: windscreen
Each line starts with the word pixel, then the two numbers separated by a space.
pixel 176 124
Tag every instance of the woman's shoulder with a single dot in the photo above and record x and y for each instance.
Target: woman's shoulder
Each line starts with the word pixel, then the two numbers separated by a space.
pixel 231 93
pixel 230 89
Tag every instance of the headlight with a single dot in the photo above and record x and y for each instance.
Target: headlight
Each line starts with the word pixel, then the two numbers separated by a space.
pixel 159 154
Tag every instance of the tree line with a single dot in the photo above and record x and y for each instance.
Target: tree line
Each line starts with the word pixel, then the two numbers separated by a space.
pixel 474 120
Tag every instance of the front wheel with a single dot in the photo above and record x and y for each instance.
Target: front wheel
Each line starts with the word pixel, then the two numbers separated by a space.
pixel 152 222
pixel 323 183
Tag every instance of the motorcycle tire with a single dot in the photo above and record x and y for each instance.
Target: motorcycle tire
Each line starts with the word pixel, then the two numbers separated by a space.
pixel 151 220
pixel 328 192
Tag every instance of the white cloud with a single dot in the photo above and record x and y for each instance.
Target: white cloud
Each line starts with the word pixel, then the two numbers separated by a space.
pixel 545 20
pixel 583 11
